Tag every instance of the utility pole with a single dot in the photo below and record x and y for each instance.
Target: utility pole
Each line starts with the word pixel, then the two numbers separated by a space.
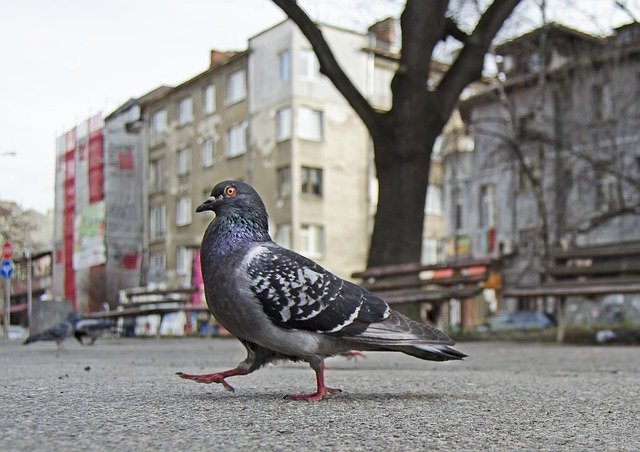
pixel 6 270
pixel 27 259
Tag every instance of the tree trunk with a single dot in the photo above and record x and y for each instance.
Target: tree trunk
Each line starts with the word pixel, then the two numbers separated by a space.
pixel 402 180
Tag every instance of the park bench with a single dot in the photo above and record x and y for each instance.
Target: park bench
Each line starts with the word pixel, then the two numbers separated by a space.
pixel 587 272
pixel 141 301
pixel 437 284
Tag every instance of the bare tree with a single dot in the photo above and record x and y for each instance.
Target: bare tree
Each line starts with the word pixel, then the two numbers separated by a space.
pixel 403 137
pixel 15 225
pixel 571 130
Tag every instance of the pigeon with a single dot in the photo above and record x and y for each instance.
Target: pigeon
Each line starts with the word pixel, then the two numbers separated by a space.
pixel 284 306
pixel 58 332
pixel 75 326
pixel 91 329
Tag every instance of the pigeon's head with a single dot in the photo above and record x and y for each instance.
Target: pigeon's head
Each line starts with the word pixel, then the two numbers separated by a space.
pixel 73 317
pixel 234 197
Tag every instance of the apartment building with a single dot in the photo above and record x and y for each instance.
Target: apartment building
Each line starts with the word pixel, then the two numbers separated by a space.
pixel 566 140
pixel 309 150
pixel 98 208
pixel 269 117
pixel 195 135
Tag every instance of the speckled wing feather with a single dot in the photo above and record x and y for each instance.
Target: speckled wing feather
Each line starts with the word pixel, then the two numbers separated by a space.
pixel 57 332
pixel 297 293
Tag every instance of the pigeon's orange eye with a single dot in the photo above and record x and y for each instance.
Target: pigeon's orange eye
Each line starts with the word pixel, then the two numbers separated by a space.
pixel 230 191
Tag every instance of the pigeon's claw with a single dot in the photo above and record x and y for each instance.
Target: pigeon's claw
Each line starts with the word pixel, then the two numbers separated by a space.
pixel 208 378
pixel 316 396
pixel 218 377
pixel 354 355
pixel 321 391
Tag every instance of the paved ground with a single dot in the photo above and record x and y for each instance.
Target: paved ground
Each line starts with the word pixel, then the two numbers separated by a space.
pixel 123 395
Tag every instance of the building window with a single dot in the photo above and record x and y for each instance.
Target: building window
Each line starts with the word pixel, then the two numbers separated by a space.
pixel 184 260
pixel 487 206
pixel 157 266
pixel 309 125
pixel 236 87
pixel 157 221
pixel 382 86
pixel 158 122
pixel 183 211
pixel 184 161
pixel 527 239
pixel 283 124
pixel 526 125
pixel 433 205
pixel 457 208
pixel 429 251
pixel 311 180
pixel 606 192
pixel 185 111
pixel 601 102
pixel 312 240
pixel 236 141
pixel 208 158
pixel 156 175
pixel 284 183
pixel 284 65
pixel 524 180
pixel 309 66
pixel 209 99
pixel 283 235
pixel 637 99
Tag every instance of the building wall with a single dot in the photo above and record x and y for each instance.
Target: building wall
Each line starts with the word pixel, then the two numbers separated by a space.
pixel 199 180
pixel 561 139
pixel 342 152
pixel 80 251
pixel 123 198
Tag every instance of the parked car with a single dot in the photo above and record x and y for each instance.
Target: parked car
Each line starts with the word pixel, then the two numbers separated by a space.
pixel 517 320
pixel 16 333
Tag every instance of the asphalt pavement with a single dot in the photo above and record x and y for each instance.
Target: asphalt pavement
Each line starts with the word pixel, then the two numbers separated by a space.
pixel 123 394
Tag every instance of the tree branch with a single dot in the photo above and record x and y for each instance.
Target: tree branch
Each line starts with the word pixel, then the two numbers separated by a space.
pixel 452 29
pixel 329 66
pixel 623 6
pixel 600 219
pixel 468 65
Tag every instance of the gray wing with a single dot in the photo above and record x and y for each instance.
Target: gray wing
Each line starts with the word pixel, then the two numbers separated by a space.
pixel 57 332
pixel 297 293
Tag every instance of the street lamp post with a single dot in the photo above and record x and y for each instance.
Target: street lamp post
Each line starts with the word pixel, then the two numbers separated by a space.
pixel 27 259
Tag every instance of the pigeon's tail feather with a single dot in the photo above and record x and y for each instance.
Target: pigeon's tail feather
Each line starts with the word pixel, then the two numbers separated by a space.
pixel 400 333
pixel 432 352
pixel 38 337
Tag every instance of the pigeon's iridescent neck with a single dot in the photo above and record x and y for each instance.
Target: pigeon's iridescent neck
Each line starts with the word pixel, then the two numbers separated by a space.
pixel 231 232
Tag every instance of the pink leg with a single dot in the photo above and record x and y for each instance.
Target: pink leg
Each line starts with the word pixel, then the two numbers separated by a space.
pixel 354 354
pixel 218 377
pixel 321 390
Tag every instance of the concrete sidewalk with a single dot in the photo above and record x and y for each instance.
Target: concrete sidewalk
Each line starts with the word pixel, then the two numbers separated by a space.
pixel 123 394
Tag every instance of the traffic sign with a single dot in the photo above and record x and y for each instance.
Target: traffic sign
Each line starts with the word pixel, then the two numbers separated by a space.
pixel 6 269
pixel 7 250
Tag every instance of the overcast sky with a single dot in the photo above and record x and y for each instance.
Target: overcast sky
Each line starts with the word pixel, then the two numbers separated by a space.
pixel 64 60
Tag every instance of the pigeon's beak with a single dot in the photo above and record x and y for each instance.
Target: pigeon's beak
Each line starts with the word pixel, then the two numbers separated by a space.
pixel 209 203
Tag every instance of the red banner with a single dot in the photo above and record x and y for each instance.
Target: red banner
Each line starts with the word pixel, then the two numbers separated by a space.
pixel 96 167
pixel 69 207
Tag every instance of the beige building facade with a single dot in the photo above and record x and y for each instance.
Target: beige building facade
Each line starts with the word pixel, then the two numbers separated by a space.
pixel 195 135
pixel 269 117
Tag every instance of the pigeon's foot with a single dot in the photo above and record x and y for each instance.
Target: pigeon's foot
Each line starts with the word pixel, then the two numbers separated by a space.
pixel 354 354
pixel 322 390
pixel 218 377
pixel 208 378
pixel 316 396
